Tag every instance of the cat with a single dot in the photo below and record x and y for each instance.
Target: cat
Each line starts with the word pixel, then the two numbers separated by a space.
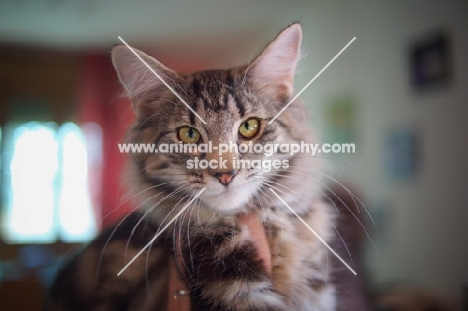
pixel 216 255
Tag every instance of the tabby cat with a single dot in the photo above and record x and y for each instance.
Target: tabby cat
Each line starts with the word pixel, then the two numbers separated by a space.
pixel 215 253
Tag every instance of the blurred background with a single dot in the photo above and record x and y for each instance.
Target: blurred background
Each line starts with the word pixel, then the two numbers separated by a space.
pixel 399 92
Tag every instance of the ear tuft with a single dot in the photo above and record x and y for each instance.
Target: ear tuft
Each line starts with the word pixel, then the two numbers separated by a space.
pixel 276 65
pixel 137 79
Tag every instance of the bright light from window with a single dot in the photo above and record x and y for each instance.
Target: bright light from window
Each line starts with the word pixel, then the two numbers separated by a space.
pixel 46 185
pixel 33 169
pixel 75 208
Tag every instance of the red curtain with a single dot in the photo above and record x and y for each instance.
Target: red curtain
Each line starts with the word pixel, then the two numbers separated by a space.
pixel 99 100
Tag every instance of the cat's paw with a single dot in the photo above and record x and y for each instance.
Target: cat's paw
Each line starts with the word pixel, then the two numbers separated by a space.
pixel 238 295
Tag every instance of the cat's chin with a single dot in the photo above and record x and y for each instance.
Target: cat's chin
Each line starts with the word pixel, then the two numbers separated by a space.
pixel 229 201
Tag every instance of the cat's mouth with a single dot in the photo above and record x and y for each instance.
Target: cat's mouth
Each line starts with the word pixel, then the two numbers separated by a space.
pixel 229 192
pixel 230 198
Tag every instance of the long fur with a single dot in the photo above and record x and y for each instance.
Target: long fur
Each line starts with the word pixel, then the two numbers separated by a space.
pixel 216 252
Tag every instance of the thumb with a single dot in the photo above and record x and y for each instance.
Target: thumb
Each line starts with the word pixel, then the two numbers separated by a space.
pixel 258 237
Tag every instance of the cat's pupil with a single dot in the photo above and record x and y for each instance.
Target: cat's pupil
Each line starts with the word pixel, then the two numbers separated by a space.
pixel 246 125
pixel 190 133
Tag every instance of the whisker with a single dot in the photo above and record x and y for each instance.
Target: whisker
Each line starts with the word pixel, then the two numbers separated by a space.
pixel 151 245
pixel 149 211
pixel 248 64
pixel 318 188
pixel 355 199
pixel 128 199
pixel 351 212
pixel 330 222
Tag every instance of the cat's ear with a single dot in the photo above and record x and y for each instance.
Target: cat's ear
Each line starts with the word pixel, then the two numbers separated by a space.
pixel 139 81
pixel 274 68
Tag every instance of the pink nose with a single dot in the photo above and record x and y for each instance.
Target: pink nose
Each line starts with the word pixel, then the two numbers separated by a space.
pixel 226 178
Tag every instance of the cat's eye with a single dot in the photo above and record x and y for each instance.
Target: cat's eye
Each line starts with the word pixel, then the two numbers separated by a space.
pixel 189 135
pixel 249 128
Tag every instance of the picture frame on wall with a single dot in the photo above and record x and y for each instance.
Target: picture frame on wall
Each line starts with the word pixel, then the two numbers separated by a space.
pixel 431 61
pixel 403 156
pixel 340 113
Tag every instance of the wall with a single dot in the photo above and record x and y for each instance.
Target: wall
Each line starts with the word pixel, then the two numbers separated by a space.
pixel 423 236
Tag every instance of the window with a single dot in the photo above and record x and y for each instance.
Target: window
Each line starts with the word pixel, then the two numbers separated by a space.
pixel 46 184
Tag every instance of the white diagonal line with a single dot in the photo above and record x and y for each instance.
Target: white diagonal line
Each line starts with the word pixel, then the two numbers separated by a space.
pixel 164 82
pixel 313 231
pixel 161 231
pixel 313 79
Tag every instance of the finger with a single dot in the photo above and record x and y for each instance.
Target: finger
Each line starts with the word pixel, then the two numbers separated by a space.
pixel 177 300
pixel 258 237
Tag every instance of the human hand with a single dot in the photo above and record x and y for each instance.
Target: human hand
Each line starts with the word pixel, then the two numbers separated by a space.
pixel 179 299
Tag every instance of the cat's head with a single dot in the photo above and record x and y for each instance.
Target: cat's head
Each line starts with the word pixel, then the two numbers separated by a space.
pixel 232 107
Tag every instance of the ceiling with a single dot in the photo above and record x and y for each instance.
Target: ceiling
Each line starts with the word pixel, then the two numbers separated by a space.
pixel 96 24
